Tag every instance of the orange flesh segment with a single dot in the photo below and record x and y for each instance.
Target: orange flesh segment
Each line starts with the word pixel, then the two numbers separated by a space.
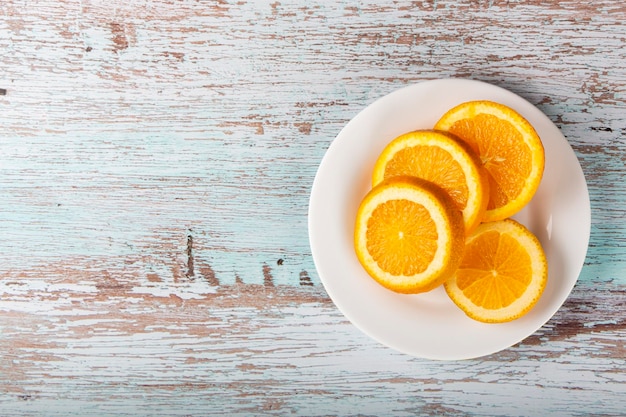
pixel 508 160
pixel 401 237
pixel 432 164
pixel 495 271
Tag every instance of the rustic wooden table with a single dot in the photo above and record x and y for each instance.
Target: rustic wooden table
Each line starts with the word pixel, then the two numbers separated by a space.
pixel 156 160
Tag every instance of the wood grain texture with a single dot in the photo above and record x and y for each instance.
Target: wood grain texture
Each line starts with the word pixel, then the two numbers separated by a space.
pixel 156 159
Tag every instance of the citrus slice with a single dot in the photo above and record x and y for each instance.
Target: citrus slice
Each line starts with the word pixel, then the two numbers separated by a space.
pixel 409 235
pixel 444 160
pixel 509 148
pixel 502 274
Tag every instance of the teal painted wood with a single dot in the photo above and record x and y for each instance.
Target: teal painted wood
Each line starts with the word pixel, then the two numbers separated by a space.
pixel 156 159
pixel 166 113
pixel 291 353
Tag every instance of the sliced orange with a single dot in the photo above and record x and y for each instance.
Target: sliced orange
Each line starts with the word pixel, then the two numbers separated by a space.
pixel 508 147
pixel 444 160
pixel 502 274
pixel 409 235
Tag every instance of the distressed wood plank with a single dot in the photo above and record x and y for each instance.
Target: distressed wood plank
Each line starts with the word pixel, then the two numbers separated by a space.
pixel 141 108
pixel 249 347
pixel 156 159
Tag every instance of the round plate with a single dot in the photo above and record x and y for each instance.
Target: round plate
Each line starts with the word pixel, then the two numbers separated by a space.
pixel 429 325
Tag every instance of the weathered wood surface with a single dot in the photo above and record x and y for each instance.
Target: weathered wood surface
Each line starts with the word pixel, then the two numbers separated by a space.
pixel 156 159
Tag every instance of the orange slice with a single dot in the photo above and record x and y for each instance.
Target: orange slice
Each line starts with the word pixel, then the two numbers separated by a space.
pixel 409 235
pixel 444 160
pixel 508 147
pixel 502 274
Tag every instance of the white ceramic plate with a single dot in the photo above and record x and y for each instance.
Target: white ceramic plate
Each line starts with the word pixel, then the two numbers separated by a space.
pixel 429 325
